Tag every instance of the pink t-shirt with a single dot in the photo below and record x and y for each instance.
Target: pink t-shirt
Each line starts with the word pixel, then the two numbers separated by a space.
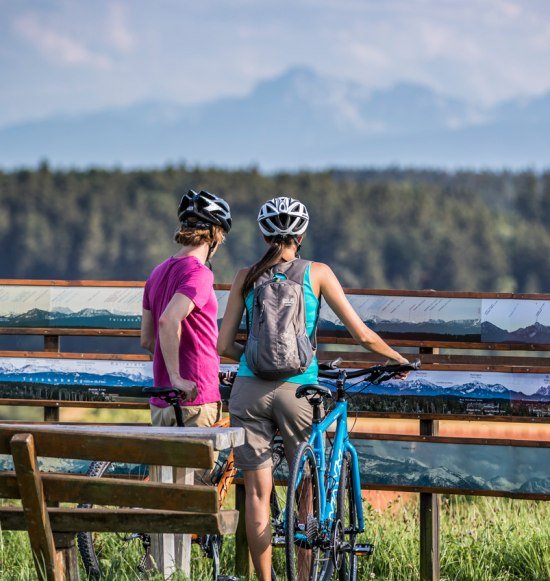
pixel 199 360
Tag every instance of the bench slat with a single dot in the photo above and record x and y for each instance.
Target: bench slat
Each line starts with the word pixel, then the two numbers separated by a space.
pixel 95 445
pixel 127 520
pixel 117 492
pixel 36 517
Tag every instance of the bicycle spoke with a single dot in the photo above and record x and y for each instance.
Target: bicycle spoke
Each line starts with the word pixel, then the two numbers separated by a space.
pixel 302 518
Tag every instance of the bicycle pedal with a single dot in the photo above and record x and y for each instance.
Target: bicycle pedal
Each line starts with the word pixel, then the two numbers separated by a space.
pixel 363 549
pixel 278 540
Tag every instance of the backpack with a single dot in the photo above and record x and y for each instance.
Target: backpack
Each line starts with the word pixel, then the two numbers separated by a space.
pixel 278 345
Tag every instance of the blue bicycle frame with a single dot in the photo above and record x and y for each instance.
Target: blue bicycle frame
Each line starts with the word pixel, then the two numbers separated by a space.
pixel 329 486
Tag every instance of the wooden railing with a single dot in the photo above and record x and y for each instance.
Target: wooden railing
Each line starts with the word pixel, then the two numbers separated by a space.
pixel 484 357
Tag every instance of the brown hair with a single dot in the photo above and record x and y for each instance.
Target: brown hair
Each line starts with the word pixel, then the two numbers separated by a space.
pixel 277 245
pixel 195 237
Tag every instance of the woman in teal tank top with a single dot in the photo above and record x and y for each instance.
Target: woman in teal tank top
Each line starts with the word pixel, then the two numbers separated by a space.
pixel 262 407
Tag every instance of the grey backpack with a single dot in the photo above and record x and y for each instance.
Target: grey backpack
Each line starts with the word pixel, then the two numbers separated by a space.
pixel 278 345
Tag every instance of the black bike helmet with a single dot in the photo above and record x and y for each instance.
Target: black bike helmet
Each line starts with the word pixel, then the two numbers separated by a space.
pixel 202 210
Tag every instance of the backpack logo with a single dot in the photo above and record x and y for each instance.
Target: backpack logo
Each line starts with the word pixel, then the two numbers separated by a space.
pixel 289 302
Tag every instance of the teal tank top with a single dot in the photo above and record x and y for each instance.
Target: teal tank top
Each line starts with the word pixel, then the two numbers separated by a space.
pixel 310 375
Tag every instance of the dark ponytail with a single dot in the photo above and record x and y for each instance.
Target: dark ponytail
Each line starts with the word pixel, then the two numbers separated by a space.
pixel 277 244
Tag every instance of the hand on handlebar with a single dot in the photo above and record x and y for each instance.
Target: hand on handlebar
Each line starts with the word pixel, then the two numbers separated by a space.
pixel 187 389
pixel 399 361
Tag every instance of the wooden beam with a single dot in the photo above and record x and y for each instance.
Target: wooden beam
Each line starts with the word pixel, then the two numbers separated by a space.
pixel 95 445
pixel 118 492
pixel 128 520
pixel 34 507
pixel 75 404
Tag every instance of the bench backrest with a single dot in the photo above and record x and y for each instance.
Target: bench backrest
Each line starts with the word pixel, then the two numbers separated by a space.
pixel 164 507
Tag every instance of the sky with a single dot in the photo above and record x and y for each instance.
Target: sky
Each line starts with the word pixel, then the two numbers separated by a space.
pixel 63 56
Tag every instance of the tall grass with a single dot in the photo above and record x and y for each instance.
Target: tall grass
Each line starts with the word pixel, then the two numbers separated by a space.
pixel 482 539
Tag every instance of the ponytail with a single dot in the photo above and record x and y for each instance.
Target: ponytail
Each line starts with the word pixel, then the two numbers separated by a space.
pixel 277 244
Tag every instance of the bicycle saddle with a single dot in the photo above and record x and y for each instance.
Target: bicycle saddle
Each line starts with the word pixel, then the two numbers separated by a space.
pixel 312 389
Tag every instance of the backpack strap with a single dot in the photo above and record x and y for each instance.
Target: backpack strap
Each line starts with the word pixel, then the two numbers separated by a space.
pixel 294 270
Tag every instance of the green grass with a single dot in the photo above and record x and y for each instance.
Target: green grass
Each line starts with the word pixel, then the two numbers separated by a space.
pixel 482 539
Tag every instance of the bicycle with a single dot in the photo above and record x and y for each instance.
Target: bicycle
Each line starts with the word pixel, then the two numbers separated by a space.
pixel 324 512
pixel 222 476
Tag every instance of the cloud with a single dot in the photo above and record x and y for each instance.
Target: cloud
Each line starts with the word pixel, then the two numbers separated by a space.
pixel 120 35
pixel 57 46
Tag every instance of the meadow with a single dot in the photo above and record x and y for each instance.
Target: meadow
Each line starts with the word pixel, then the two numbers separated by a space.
pixel 482 539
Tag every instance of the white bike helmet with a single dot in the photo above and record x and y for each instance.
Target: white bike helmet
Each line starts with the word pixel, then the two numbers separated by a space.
pixel 283 216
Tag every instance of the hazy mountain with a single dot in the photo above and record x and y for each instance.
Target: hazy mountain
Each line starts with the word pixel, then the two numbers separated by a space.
pixel 296 119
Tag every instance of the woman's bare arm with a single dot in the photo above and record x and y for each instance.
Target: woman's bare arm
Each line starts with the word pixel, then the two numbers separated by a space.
pixel 333 293
pixel 227 344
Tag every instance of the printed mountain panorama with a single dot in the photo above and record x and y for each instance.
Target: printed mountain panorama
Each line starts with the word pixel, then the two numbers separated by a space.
pixel 65 318
pixel 448 467
pixel 535 333
pixel 460 330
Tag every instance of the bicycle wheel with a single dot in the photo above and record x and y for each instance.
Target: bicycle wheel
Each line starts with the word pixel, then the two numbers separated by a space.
pixel 346 534
pixel 302 517
pixel 89 545
pixel 277 505
pixel 85 541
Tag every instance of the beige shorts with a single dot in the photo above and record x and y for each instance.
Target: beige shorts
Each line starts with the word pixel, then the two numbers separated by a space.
pixel 194 416
pixel 261 408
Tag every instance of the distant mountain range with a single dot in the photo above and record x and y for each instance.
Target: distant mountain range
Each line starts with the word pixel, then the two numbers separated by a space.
pixel 410 472
pixel 535 333
pixel 464 330
pixel 86 318
pixel 297 119
pixel 40 373
pixel 473 389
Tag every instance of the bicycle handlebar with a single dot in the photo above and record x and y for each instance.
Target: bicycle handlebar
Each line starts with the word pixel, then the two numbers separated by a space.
pixel 376 374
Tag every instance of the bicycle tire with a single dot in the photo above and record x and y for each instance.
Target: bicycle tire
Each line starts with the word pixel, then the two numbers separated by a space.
pixel 277 504
pixel 85 540
pixel 347 510
pixel 302 517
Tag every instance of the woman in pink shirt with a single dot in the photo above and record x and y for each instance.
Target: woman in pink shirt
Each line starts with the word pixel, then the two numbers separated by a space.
pixel 179 321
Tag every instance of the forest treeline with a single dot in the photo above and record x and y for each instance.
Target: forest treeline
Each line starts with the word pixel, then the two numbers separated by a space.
pixel 392 228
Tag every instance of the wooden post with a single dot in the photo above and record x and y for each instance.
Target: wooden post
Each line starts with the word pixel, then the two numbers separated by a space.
pixel 243 562
pixel 171 551
pixel 66 555
pixel 34 507
pixel 51 343
pixel 51 413
pixel 429 520
pixel 429 510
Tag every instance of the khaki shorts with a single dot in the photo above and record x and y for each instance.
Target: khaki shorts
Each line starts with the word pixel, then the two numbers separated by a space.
pixel 261 408
pixel 194 416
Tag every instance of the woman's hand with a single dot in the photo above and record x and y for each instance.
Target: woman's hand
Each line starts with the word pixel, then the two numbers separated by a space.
pixel 400 361
pixel 187 390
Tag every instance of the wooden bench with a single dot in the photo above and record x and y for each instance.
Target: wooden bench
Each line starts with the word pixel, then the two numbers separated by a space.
pixel 133 506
